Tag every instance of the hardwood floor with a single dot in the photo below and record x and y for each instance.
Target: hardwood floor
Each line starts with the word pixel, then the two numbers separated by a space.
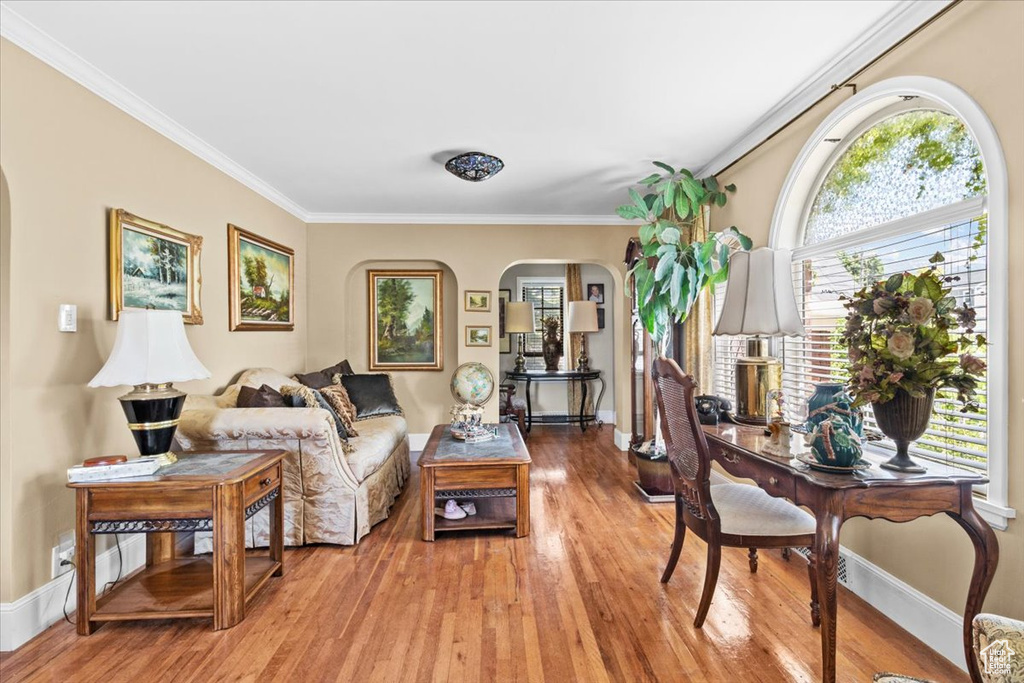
pixel 577 600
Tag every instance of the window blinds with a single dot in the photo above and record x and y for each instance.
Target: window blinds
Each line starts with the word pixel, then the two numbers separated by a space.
pixel 548 301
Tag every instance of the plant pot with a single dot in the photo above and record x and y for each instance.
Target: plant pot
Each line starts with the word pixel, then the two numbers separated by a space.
pixel 904 419
pixel 654 473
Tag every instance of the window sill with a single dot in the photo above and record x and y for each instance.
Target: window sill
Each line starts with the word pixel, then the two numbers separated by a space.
pixel 997 516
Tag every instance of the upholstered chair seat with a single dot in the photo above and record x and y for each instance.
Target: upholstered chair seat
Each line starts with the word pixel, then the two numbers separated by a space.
pixel 749 511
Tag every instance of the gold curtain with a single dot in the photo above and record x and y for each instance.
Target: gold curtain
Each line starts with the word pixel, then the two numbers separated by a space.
pixel 697 348
pixel 574 292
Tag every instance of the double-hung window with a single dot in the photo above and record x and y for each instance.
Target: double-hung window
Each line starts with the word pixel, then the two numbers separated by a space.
pixel 548 298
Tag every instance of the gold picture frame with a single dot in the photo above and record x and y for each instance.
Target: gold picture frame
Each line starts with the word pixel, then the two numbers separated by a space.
pixel 477 301
pixel 478 335
pixel 153 265
pixel 406 319
pixel 257 269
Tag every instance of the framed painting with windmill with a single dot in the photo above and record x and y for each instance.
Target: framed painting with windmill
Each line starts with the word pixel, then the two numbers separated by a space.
pixel 261 282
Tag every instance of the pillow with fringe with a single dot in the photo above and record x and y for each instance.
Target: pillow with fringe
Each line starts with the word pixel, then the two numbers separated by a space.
pixel 373 395
pixel 342 404
pixel 314 399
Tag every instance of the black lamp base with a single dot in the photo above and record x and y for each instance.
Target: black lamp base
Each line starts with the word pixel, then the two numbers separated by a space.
pixel 153 411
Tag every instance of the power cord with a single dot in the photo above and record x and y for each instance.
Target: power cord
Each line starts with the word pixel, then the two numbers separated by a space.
pixel 70 583
pixel 120 565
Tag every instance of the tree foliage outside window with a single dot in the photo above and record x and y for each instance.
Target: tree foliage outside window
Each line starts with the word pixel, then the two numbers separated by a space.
pixel 903 165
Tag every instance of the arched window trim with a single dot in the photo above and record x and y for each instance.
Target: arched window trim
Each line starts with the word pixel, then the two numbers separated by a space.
pixel 805 177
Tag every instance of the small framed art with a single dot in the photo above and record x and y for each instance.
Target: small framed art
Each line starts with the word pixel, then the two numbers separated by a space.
pixel 595 293
pixel 504 338
pixel 478 335
pixel 478 301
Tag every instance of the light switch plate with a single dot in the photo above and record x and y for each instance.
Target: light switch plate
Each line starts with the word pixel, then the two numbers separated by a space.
pixel 67 318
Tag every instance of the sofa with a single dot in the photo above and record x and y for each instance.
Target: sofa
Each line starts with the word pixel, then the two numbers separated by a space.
pixel 330 495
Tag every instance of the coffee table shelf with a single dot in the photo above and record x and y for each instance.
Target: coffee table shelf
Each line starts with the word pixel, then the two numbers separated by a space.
pixel 491 513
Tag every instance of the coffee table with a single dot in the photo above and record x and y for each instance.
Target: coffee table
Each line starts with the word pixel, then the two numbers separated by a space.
pixel 495 475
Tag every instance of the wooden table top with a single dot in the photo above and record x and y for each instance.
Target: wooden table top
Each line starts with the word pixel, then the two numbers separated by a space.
pixel 207 468
pixel 444 451
pixel 751 440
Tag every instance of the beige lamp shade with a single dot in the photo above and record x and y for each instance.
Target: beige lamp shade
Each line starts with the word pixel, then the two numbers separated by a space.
pixel 582 316
pixel 519 317
pixel 150 348
pixel 759 297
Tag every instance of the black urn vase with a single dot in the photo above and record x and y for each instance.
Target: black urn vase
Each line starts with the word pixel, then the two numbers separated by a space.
pixel 904 419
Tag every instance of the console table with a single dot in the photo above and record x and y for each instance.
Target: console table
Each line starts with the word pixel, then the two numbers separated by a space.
pixel 561 376
pixel 874 493
pixel 200 492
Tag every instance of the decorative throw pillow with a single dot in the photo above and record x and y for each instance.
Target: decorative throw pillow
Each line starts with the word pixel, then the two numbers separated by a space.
pixel 310 398
pixel 342 404
pixel 373 395
pixel 264 397
pixel 323 378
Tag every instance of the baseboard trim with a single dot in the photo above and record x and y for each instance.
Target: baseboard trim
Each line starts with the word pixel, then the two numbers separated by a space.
pixel 622 440
pixel 31 614
pixel 937 626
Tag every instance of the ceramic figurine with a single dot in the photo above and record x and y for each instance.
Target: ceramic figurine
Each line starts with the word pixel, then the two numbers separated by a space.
pixel 834 441
pixel 779 443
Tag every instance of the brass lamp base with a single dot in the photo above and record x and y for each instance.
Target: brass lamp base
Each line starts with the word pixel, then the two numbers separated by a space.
pixel 756 375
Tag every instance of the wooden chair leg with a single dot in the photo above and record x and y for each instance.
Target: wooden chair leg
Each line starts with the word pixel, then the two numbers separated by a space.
pixel 752 557
pixel 710 580
pixel 521 419
pixel 677 543
pixel 785 554
pixel 812 572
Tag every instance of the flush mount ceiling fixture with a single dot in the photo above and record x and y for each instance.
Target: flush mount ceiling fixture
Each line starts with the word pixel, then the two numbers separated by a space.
pixel 474 166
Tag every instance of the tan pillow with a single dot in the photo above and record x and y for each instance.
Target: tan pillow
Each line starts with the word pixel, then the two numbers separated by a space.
pixel 315 399
pixel 342 404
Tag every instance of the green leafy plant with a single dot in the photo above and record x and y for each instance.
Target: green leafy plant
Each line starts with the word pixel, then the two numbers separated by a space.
pixel 673 273
pixel 908 333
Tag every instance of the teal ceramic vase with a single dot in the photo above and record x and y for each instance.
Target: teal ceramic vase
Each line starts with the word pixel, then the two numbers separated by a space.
pixel 830 399
pixel 835 442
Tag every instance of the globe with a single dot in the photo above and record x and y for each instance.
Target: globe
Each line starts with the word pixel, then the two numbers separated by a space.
pixel 472 383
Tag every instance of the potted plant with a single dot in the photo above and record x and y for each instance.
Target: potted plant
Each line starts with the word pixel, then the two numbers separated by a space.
pixel 908 338
pixel 674 270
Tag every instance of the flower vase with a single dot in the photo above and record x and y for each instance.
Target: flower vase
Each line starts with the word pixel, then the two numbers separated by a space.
pixel 904 419
pixel 552 347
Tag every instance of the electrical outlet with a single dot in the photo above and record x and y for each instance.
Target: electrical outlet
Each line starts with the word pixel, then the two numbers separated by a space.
pixel 64 552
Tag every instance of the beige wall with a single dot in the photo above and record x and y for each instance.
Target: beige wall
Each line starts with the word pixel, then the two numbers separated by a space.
pixel 978 47
pixel 476 256
pixel 68 157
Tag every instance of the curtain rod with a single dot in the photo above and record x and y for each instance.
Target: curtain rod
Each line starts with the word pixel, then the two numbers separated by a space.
pixel 845 84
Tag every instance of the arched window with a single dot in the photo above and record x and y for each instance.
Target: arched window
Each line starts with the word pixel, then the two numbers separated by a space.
pixel 906 168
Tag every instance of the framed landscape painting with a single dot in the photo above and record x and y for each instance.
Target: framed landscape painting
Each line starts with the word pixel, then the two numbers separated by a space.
pixel 478 335
pixel 261 279
pixel 406 319
pixel 477 301
pixel 153 266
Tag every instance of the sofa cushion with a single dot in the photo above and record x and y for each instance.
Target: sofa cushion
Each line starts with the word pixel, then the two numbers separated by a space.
pixel 257 377
pixel 378 437
pixel 264 397
pixel 373 395
pixel 325 377
pixel 301 396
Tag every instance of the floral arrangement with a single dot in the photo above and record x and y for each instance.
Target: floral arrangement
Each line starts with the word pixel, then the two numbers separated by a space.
pixel 908 333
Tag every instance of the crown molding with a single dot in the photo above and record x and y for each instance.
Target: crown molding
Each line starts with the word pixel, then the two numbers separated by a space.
pixel 893 27
pixel 41 45
pixel 464 219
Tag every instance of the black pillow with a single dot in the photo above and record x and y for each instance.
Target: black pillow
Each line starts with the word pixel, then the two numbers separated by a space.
pixel 264 397
pixel 323 378
pixel 373 395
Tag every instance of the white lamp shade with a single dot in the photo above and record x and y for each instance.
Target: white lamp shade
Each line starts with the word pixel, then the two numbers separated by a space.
pixel 519 317
pixel 759 296
pixel 150 348
pixel 582 316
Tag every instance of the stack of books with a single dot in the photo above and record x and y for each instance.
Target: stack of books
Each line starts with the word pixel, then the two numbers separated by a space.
pixel 113 467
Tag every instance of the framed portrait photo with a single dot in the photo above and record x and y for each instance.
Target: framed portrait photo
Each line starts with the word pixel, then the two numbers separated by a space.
pixel 406 319
pixel 595 293
pixel 261 280
pixel 478 301
pixel 478 335
pixel 153 266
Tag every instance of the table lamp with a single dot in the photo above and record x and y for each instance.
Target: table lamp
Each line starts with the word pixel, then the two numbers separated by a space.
pixel 759 301
pixel 150 352
pixel 519 318
pixel 582 319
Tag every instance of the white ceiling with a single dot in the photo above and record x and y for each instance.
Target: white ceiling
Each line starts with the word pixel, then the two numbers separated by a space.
pixel 352 108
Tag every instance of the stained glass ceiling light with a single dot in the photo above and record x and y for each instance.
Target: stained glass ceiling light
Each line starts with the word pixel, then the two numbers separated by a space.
pixel 474 166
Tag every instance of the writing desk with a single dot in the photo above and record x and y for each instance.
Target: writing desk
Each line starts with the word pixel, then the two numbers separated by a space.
pixel 875 493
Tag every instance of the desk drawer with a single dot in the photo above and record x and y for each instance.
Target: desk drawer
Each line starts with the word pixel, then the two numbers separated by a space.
pixel 475 477
pixel 777 480
pixel 258 485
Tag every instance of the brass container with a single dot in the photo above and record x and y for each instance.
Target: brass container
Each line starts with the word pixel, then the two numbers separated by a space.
pixel 756 375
